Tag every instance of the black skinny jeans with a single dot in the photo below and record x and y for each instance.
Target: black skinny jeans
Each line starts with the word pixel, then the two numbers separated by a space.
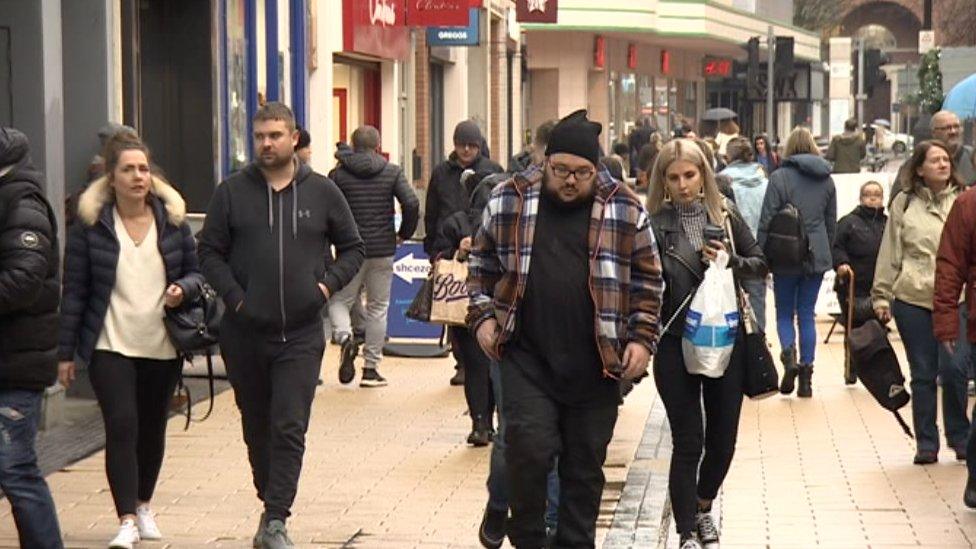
pixel 682 394
pixel 477 368
pixel 134 396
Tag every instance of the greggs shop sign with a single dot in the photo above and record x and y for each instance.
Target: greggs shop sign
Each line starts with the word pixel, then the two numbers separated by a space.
pixel 376 27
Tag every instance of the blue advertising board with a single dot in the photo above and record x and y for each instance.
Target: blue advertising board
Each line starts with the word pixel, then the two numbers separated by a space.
pixel 410 268
pixel 457 36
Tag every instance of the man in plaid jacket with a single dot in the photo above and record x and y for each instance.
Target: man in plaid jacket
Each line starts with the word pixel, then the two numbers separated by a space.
pixel 566 331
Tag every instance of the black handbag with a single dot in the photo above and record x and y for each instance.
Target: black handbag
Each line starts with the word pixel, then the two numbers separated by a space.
pixel 193 326
pixel 760 379
pixel 420 306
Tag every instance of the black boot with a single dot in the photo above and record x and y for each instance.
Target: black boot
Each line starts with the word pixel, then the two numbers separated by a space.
pixel 969 496
pixel 480 431
pixel 788 358
pixel 805 389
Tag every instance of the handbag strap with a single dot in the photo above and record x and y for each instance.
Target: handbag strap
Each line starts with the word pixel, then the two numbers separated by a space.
pixel 748 315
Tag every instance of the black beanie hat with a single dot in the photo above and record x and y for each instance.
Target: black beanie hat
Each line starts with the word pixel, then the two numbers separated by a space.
pixel 467 133
pixel 575 134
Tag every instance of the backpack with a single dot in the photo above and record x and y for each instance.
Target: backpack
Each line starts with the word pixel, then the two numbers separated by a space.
pixel 787 245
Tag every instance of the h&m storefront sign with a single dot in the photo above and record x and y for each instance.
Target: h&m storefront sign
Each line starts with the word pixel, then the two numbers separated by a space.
pixel 376 27
pixel 469 35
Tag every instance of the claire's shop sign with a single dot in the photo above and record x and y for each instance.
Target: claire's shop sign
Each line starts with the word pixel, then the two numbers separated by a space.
pixel 469 35
pixel 434 13
pixel 376 27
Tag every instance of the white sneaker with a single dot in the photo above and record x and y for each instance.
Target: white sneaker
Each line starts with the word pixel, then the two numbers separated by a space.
pixel 128 536
pixel 146 521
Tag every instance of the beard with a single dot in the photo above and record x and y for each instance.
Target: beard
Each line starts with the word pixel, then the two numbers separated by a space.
pixel 550 191
pixel 275 162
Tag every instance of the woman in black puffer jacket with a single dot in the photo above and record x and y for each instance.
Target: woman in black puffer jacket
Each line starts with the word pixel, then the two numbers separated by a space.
pixel 855 251
pixel 129 254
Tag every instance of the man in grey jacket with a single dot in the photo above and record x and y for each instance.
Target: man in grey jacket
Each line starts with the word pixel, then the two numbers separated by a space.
pixel 946 128
pixel 370 184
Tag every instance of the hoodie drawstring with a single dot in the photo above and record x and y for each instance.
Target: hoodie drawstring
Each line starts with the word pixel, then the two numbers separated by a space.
pixel 294 210
pixel 270 210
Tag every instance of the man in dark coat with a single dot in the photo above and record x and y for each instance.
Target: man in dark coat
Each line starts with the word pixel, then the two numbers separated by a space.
pixel 263 249
pixel 847 149
pixel 370 184
pixel 445 194
pixel 29 295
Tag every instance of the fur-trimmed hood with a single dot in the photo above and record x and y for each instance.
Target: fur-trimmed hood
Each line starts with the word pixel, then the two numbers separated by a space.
pixel 100 193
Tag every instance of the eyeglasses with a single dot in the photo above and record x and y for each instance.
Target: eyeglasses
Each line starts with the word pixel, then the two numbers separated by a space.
pixel 951 127
pixel 581 174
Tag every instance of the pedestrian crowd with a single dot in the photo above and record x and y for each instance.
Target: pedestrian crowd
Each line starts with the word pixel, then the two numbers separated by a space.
pixel 582 269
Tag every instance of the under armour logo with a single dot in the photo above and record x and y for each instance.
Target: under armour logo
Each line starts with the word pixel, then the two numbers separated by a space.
pixel 537 5
pixel 307 214
pixel 895 390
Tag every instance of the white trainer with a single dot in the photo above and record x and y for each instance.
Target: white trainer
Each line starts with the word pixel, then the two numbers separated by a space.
pixel 146 521
pixel 127 537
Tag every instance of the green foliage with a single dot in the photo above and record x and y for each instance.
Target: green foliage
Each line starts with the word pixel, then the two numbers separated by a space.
pixel 930 94
pixel 817 15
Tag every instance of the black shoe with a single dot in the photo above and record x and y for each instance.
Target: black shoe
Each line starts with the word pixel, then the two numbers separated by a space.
pixel 491 534
pixel 969 496
pixel 347 357
pixel 550 538
pixel 372 378
pixel 480 432
pixel 458 378
pixel 706 529
pixel 275 536
pixel 960 451
pixel 805 387
pixel 925 457
pixel 788 358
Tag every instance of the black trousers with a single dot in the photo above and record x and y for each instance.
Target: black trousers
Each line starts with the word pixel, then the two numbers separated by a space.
pixel 134 396
pixel 477 367
pixel 274 384
pixel 683 395
pixel 538 428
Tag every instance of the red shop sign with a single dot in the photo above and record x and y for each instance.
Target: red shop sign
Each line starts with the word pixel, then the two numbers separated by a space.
pixel 376 27
pixel 632 56
pixel 599 52
pixel 437 13
pixel 537 11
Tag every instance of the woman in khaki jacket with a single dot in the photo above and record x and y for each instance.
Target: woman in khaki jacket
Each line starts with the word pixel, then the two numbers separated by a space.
pixel 904 287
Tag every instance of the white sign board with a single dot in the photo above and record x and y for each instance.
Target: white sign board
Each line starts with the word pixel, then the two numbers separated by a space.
pixel 840 69
pixel 926 41
pixel 840 111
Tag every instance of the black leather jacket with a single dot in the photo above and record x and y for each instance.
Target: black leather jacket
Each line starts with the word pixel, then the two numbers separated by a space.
pixel 683 268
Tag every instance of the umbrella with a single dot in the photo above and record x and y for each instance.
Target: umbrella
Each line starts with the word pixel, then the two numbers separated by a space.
pixel 720 113
pixel 881 122
pixel 962 98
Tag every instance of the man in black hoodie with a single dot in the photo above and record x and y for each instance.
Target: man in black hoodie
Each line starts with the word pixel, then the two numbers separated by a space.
pixel 29 295
pixel 263 248
pixel 370 184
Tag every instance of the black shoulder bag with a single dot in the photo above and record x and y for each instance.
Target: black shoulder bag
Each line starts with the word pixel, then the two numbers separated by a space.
pixel 193 328
pixel 760 378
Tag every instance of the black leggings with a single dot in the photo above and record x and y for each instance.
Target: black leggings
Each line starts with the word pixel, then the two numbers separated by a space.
pixel 477 381
pixel 682 394
pixel 134 395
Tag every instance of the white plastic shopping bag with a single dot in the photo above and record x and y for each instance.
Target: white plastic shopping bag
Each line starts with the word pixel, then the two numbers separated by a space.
pixel 712 321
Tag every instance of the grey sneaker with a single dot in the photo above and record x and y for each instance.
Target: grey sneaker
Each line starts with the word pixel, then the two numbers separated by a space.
pixel 707 531
pixel 275 536
pixel 256 542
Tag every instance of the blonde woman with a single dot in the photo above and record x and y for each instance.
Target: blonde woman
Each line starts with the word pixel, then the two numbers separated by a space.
pixel 683 200
pixel 804 181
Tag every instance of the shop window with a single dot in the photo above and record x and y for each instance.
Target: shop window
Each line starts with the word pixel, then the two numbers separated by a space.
pixel 238 141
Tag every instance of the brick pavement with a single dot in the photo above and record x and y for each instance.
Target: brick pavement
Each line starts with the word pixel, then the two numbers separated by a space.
pixel 384 468
pixel 836 471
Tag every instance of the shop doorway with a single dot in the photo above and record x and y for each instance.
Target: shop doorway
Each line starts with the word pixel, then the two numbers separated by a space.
pixel 169 90
pixel 356 97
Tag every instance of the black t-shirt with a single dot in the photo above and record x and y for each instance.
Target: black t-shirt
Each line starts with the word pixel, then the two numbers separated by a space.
pixel 556 338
